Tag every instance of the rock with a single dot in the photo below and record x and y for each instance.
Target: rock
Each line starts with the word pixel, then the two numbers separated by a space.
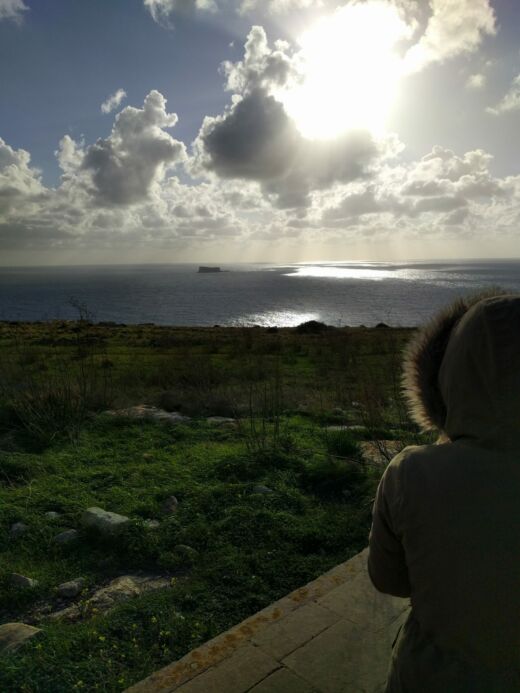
pixel 151 524
pixel 169 506
pixel 353 428
pixel 262 490
pixel 71 589
pixel 52 515
pixel 17 530
pixel 14 635
pixel 119 590
pixel 22 581
pixel 105 522
pixel 66 537
pixel 221 421
pixel 145 411
pixel 338 411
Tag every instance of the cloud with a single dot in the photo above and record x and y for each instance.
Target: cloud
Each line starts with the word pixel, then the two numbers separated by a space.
pixel 162 10
pixel 455 27
pixel 278 6
pixel 19 182
pixel 511 100
pixel 256 140
pixel 12 9
pixel 113 101
pixel 476 81
pixel 126 166
pixel 262 67
pixel 442 186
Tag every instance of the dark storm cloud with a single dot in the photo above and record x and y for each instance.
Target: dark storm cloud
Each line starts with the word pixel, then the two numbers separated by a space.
pixel 256 140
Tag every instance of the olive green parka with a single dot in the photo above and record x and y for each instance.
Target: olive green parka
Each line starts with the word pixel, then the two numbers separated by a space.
pixel 446 519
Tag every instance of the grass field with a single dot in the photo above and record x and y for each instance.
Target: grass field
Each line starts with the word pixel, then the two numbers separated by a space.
pixel 229 549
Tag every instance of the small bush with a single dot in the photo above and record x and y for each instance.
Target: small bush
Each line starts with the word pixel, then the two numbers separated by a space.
pixel 330 477
pixel 312 327
pixel 341 443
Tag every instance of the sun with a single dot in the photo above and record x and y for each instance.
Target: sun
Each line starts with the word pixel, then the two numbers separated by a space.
pixel 350 71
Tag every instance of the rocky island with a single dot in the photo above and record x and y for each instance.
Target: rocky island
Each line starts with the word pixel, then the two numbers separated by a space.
pixel 208 270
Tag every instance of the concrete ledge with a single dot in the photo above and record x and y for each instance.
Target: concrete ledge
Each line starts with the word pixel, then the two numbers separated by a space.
pixel 279 646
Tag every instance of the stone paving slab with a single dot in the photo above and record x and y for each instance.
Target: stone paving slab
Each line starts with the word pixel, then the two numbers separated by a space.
pixel 297 628
pixel 345 658
pixel 238 673
pixel 333 635
pixel 283 681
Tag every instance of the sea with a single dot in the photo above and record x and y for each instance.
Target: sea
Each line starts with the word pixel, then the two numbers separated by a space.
pixel 336 293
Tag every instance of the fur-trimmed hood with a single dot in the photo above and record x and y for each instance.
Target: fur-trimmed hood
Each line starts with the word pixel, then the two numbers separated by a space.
pixel 462 371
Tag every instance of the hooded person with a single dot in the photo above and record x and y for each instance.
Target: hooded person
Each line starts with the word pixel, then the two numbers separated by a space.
pixel 446 518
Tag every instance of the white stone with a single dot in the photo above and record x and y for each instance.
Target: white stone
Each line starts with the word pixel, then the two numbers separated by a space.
pixel 262 490
pixel 23 581
pixel 169 506
pixel 71 588
pixel 52 515
pixel 146 411
pixel 13 635
pixel 66 537
pixel 18 529
pixel 103 520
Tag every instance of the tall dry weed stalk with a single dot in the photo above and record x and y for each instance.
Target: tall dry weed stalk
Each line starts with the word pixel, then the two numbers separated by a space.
pixel 49 389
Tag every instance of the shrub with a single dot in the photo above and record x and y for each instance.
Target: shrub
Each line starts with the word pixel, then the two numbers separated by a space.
pixel 341 443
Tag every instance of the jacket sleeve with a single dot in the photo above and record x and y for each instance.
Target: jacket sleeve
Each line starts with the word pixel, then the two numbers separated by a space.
pixel 386 558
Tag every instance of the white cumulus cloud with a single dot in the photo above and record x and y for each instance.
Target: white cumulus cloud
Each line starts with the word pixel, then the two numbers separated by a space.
pixel 510 101
pixel 476 81
pixel 12 9
pixel 454 27
pixel 126 167
pixel 163 10
pixel 113 101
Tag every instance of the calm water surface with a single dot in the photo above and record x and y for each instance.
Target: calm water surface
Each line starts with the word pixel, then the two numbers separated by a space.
pixel 284 295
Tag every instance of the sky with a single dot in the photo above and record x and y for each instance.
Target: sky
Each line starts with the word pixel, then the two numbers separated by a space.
pixel 143 131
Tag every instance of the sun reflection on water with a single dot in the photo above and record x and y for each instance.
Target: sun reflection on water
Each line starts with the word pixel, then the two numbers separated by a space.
pixel 278 318
pixel 373 272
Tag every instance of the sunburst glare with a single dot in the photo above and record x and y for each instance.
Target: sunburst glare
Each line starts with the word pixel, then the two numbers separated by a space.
pixel 351 70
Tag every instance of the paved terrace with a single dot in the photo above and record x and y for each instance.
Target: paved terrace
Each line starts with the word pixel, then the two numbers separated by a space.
pixel 332 636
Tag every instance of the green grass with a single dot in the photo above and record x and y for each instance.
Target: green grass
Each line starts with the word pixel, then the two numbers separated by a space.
pixel 245 550
pixel 248 549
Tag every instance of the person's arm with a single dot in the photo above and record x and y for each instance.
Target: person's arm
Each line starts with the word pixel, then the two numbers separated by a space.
pixel 386 558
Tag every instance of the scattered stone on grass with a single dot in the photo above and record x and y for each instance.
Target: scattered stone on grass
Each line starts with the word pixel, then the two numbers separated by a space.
pixel 259 489
pixel 169 506
pixel 52 515
pixel 353 428
pixel 66 537
pixel 70 589
pixel 14 635
pixel 22 581
pixel 221 421
pixel 119 590
pixel 17 530
pixel 104 521
pixel 146 411
pixel 151 524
